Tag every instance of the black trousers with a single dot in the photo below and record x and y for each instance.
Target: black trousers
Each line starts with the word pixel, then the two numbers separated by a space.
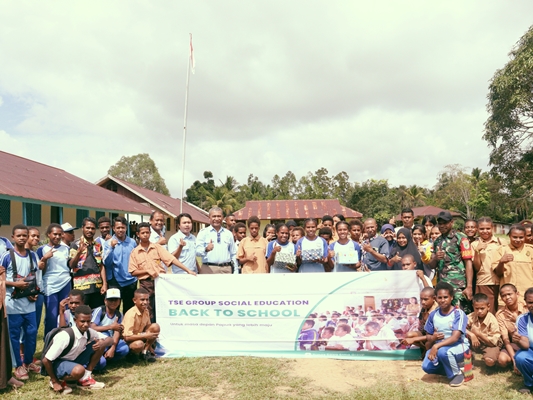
pixel 126 293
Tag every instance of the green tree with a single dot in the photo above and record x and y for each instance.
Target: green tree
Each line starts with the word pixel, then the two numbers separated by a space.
pixel 509 127
pixel 141 171
pixel 374 198
pixel 220 197
pixel 198 191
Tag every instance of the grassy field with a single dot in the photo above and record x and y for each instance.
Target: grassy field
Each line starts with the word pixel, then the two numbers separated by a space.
pixel 257 378
pixel 266 378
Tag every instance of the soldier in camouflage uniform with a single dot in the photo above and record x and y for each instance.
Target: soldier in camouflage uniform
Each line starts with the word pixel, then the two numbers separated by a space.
pixel 452 259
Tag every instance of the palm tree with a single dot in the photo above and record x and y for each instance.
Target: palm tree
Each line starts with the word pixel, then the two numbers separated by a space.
pixel 415 196
pixel 220 197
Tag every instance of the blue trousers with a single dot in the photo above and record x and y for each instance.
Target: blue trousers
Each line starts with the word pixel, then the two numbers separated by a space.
pixel 449 358
pixel 38 313
pixel 524 363
pixel 51 303
pixel 23 323
pixel 121 351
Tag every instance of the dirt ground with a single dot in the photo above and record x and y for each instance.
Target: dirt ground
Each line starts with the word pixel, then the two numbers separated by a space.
pixel 345 375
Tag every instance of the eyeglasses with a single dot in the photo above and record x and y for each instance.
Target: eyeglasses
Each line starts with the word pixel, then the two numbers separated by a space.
pixel 218 237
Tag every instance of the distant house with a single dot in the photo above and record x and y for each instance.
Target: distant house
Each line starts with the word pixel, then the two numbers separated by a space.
pixel 276 211
pixel 169 206
pixel 37 194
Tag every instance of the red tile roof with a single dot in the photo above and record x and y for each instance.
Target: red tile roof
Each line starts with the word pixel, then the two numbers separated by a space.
pixel 168 205
pixel 294 209
pixel 27 179
pixel 429 210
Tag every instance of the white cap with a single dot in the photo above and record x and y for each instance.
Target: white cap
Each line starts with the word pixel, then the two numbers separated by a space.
pixel 112 293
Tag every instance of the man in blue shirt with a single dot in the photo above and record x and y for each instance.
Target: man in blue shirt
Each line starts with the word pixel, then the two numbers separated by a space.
pixel 117 252
pixel 375 248
pixel 216 246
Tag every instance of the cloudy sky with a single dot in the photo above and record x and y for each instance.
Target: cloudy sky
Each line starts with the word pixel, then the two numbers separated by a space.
pixel 385 89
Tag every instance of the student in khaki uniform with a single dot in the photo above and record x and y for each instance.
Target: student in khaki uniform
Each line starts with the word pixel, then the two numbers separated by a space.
pixel 513 263
pixel 252 250
pixel 485 251
pixel 483 331
pixel 506 317
pixel 139 333
pixel 147 261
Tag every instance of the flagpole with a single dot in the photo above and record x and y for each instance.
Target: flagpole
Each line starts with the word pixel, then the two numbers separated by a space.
pixel 189 60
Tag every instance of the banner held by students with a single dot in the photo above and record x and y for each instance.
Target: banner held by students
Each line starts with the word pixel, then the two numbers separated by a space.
pixel 288 315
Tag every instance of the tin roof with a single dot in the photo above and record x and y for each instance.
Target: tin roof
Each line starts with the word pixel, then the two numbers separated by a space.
pixel 429 210
pixel 294 209
pixel 168 205
pixel 22 179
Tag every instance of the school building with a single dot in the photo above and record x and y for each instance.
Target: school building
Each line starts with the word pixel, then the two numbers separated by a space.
pixel 277 211
pixel 37 194
pixel 171 207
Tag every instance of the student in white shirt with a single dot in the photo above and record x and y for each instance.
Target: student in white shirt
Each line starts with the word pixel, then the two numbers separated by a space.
pixel 78 363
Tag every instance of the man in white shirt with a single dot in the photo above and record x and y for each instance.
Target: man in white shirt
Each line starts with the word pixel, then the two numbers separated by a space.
pixel 342 339
pixel 78 362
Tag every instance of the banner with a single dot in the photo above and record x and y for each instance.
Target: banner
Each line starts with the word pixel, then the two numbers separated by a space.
pixel 359 315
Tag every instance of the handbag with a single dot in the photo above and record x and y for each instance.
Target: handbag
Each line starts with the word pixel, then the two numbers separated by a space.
pixel 32 289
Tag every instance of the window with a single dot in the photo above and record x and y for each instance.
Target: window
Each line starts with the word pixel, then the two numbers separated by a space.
pixel 80 215
pixel 168 224
pixel 112 186
pixel 99 214
pixel 56 214
pixel 32 214
pixel 112 216
pixel 5 211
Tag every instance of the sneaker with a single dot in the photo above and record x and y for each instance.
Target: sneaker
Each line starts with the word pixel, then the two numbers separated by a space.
pixel 65 389
pixel 132 357
pixel 457 380
pixel 525 390
pixel 16 384
pixel 21 373
pixel 33 368
pixel 90 383
pixel 148 357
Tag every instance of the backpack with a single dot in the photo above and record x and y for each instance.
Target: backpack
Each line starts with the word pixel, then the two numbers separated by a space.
pixel 49 338
pixel 103 313
pixel 32 289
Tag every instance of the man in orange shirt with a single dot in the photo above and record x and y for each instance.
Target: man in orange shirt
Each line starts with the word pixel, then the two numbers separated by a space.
pixel 146 262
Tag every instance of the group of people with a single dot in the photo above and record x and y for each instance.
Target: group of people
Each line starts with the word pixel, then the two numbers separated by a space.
pixel 82 282
pixel 353 329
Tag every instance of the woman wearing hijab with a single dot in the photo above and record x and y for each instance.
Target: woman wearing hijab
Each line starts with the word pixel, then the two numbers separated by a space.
pixel 387 231
pixel 404 245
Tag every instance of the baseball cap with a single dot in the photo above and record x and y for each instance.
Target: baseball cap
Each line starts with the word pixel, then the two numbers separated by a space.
pixel 112 293
pixel 445 216
pixel 67 227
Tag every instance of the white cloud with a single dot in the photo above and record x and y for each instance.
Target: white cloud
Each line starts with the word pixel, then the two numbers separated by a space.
pixel 379 90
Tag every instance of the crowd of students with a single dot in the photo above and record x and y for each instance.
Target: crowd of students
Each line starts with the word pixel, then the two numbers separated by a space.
pixel 81 284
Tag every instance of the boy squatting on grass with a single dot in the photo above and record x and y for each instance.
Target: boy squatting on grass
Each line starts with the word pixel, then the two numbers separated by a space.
pixel 139 333
pixel 77 365
pixel 483 331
